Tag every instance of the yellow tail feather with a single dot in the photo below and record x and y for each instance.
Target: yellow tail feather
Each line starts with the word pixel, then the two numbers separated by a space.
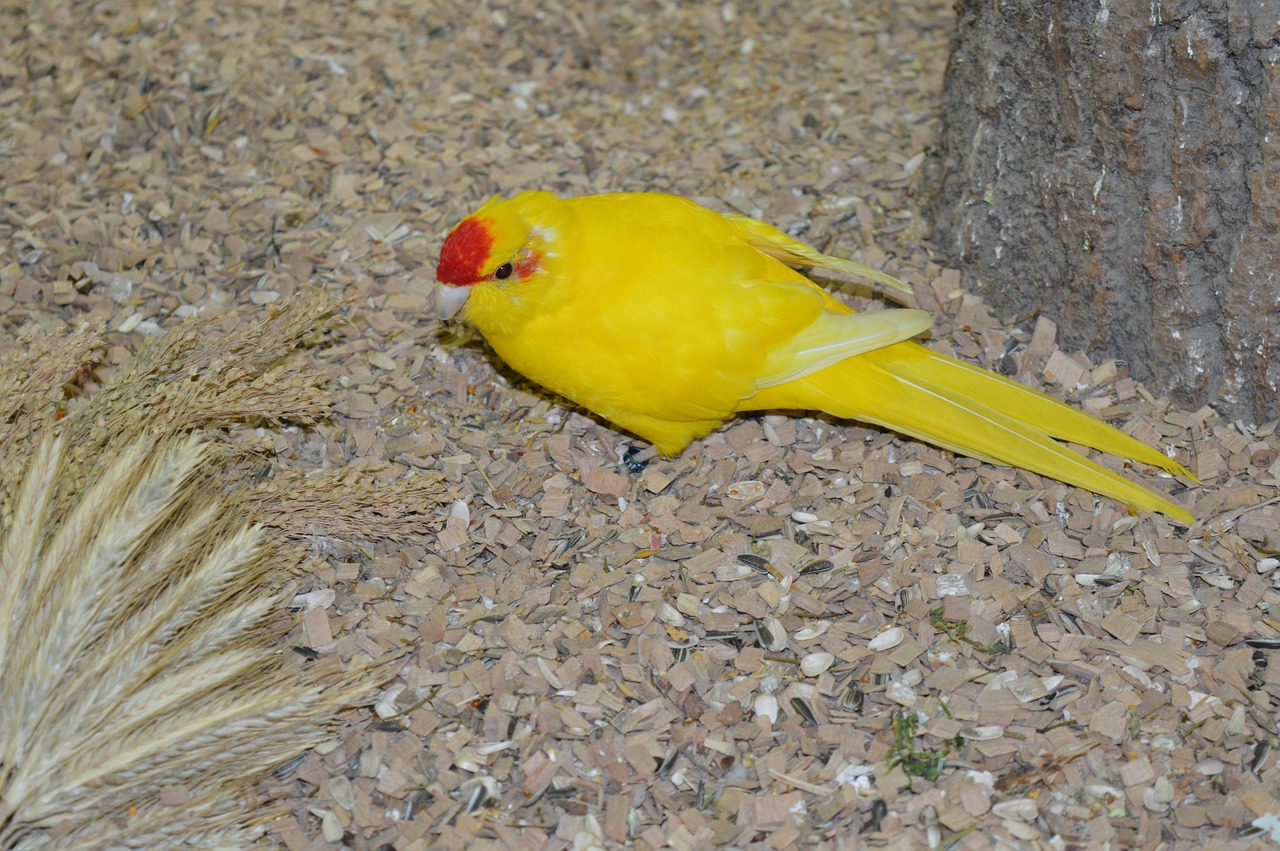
pixel 968 410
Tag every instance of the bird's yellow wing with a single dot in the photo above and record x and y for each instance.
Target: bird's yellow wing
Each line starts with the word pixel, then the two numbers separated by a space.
pixel 834 336
pixel 785 249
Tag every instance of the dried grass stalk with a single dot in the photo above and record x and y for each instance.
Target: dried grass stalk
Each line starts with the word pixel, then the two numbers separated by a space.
pixel 133 658
pixel 349 503
pixel 141 697
pixel 34 375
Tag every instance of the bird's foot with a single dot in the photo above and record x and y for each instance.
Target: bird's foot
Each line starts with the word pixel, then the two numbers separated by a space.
pixel 634 458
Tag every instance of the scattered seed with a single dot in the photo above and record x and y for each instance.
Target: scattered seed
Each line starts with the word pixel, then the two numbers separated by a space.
pixel 1070 624
pixel 1051 699
pixel 1263 719
pixel 706 797
pixel 929 818
pixel 749 489
pixel 802 708
pixel 1017 809
pixel 770 634
pixel 816 663
pixel 1261 750
pixel 852 698
pixel 476 800
pixel 1235 724
pixel 888 639
pixel 668 614
pixel 286 768
pixel 822 565
pixel 1217 580
pixel 983 733
pixel 815 630
pixel 767 706
pixel 879 809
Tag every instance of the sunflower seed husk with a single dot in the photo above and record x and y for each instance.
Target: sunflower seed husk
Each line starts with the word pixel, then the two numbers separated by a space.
pixel 804 710
pixel 816 663
pixel 816 629
pixel 822 565
pixel 1017 809
pixel 1261 750
pixel 668 614
pixel 852 698
pixel 1217 580
pixel 982 733
pixel 888 639
pixel 770 634
pixel 766 705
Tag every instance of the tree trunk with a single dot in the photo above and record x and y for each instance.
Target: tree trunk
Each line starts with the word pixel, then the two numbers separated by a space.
pixel 1116 165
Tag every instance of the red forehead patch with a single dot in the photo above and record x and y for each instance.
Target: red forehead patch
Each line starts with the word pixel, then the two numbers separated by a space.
pixel 464 252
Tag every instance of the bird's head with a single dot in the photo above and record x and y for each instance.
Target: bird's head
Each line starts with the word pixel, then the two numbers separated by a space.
pixel 498 247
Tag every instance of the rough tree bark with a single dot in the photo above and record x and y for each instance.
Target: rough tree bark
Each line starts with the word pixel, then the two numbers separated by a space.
pixel 1116 165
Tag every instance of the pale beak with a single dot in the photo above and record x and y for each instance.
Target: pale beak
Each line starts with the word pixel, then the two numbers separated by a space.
pixel 449 299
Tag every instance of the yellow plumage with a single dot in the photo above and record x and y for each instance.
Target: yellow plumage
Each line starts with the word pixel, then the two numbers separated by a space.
pixel 667 318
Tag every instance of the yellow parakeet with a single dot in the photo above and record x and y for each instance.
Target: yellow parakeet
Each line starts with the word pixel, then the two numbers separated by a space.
pixel 667 318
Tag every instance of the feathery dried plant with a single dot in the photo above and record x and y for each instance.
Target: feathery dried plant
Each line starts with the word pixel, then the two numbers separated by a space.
pixel 134 659
pixel 141 697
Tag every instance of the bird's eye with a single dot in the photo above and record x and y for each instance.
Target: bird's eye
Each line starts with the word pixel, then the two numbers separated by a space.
pixel 504 271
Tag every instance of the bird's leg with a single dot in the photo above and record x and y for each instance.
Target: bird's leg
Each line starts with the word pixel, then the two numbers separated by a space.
pixel 634 458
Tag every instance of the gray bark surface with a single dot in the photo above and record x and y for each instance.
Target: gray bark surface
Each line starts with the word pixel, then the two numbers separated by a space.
pixel 1116 166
